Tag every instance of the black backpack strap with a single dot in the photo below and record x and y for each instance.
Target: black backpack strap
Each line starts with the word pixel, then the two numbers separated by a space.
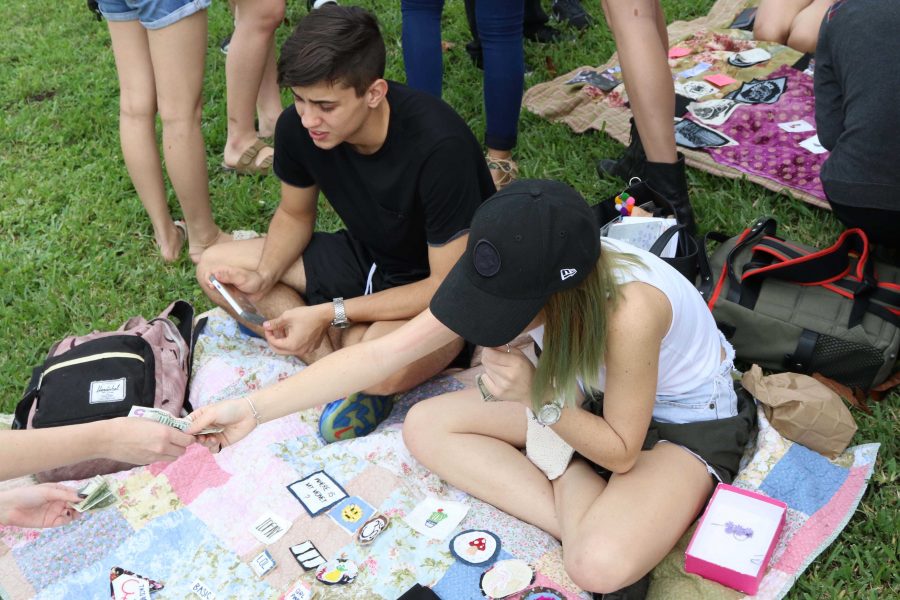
pixel 183 311
pixel 705 281
pixel 20 420
pixel 764 226
pixel 195 335
pixel 831 268
pixel 814 268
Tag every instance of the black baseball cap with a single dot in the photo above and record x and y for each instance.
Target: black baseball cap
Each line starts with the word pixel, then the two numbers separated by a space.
pixel 530 240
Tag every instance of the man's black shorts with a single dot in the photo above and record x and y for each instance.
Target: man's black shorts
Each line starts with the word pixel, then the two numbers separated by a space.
pixel 338 265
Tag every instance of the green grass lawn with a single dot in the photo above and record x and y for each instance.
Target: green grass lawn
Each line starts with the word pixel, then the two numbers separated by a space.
pixel 77 250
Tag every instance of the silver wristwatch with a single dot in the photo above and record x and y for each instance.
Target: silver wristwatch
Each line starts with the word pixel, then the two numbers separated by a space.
pixel 340 314
pixel 550 413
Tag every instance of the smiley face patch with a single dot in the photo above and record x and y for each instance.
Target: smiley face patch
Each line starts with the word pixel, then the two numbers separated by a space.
pixel 350 513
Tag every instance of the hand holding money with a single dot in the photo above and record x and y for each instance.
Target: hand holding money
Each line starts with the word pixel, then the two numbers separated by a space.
pixel 45 505
pixel 166 418
pixel 95 494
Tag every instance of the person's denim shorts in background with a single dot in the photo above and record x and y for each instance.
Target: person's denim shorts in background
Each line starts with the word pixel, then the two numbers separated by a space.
pixel 153 14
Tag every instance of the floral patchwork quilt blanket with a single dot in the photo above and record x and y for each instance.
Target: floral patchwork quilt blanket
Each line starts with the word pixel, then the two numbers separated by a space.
pixel 232 525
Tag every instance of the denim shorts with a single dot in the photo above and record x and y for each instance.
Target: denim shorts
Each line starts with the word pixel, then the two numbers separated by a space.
pixel 714 398
pixel 153 14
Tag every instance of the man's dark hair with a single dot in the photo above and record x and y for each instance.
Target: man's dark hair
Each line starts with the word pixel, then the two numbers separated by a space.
pixel 333 44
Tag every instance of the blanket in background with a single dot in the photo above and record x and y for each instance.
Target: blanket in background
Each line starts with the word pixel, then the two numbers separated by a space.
pixel 190 520
pixel 762 149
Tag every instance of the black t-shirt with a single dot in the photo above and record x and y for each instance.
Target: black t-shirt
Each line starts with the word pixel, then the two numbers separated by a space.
pixel 420 188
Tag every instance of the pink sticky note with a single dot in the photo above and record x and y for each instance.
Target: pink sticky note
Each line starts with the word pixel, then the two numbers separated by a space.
pixel 678 52
pixel 720 80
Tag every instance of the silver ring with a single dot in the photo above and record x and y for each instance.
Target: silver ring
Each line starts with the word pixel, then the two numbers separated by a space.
pixel 507 348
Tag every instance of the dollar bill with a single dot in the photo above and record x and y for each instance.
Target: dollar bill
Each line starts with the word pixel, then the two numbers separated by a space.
pixel 166 418
pixel 95 494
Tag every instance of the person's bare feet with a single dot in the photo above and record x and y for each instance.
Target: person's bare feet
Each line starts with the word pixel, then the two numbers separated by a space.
pixel 171 241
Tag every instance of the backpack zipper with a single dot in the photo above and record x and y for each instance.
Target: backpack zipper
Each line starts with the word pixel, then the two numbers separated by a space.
pixel 86 359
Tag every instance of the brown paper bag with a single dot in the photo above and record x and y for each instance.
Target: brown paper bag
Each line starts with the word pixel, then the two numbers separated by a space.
pixel 803 410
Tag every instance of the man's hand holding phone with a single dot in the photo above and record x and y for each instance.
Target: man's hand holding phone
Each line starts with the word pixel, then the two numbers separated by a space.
pixel 239 303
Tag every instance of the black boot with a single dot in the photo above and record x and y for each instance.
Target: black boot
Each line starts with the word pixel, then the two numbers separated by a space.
pixel 630 165
pixel 669 181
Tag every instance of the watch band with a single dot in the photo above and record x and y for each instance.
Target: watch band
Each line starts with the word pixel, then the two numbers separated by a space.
pixel 340 314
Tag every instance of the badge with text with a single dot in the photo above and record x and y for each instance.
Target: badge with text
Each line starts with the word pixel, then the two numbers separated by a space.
pixel 350 513
pixel 263 563
pixel 337 571
pixel 317 492
pixel 436 518
pixel 475 547
pixel 300 591
pixel 372 528
pixel 130 587
pixel 307 555
pixel 269 528
pixel 202 591
pixel 506 578
pixel 117 573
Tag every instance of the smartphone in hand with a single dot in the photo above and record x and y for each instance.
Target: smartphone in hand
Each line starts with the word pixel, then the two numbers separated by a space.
pixel 238 302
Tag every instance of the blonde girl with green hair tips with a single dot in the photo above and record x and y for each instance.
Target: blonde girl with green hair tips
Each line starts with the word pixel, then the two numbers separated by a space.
pixel 606 317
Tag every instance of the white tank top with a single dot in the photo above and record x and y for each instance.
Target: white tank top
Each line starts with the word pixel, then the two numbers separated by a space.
pixel 691 349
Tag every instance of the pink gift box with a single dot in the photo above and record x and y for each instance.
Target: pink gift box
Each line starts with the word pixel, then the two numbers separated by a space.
pixel 735 538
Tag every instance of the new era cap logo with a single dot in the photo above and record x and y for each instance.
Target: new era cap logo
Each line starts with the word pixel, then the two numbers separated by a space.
pixel 566 273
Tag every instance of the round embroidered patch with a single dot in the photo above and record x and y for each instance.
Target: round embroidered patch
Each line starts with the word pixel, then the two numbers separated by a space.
pixel 337 570
pixel 506 577
pixel 541 593
pixel 475 547
pixel 486 258
pixel 372 528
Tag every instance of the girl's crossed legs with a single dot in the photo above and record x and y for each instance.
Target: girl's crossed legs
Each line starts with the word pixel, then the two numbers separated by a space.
pixel 612 533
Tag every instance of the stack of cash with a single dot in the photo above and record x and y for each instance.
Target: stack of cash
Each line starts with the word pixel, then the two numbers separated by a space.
pixel 166 418
pixel 95 494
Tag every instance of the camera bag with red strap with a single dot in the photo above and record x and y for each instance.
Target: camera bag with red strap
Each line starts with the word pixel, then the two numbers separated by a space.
pixel 101 375
pixel 790 307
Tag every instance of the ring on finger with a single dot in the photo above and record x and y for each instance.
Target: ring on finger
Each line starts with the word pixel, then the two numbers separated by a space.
pixel 507 349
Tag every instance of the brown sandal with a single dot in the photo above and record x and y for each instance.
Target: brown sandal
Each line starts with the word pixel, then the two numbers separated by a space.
pixel 503 171
pixel 247 165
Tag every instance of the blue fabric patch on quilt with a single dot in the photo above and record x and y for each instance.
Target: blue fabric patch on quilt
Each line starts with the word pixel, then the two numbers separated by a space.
pixel 463 582
pixel 64 550
pixel 803 479
pixel 201 558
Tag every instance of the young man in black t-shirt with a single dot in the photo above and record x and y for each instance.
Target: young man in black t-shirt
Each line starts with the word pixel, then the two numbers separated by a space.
pixel 404 173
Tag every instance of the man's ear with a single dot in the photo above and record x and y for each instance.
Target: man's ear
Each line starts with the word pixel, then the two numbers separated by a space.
pixel 376 93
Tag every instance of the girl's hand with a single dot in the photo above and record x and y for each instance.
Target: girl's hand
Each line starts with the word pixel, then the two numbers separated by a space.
pixel 233 416
pixel 38 506
pixel 507 374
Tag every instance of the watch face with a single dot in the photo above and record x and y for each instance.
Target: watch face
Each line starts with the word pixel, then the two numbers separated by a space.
pixel 549 414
